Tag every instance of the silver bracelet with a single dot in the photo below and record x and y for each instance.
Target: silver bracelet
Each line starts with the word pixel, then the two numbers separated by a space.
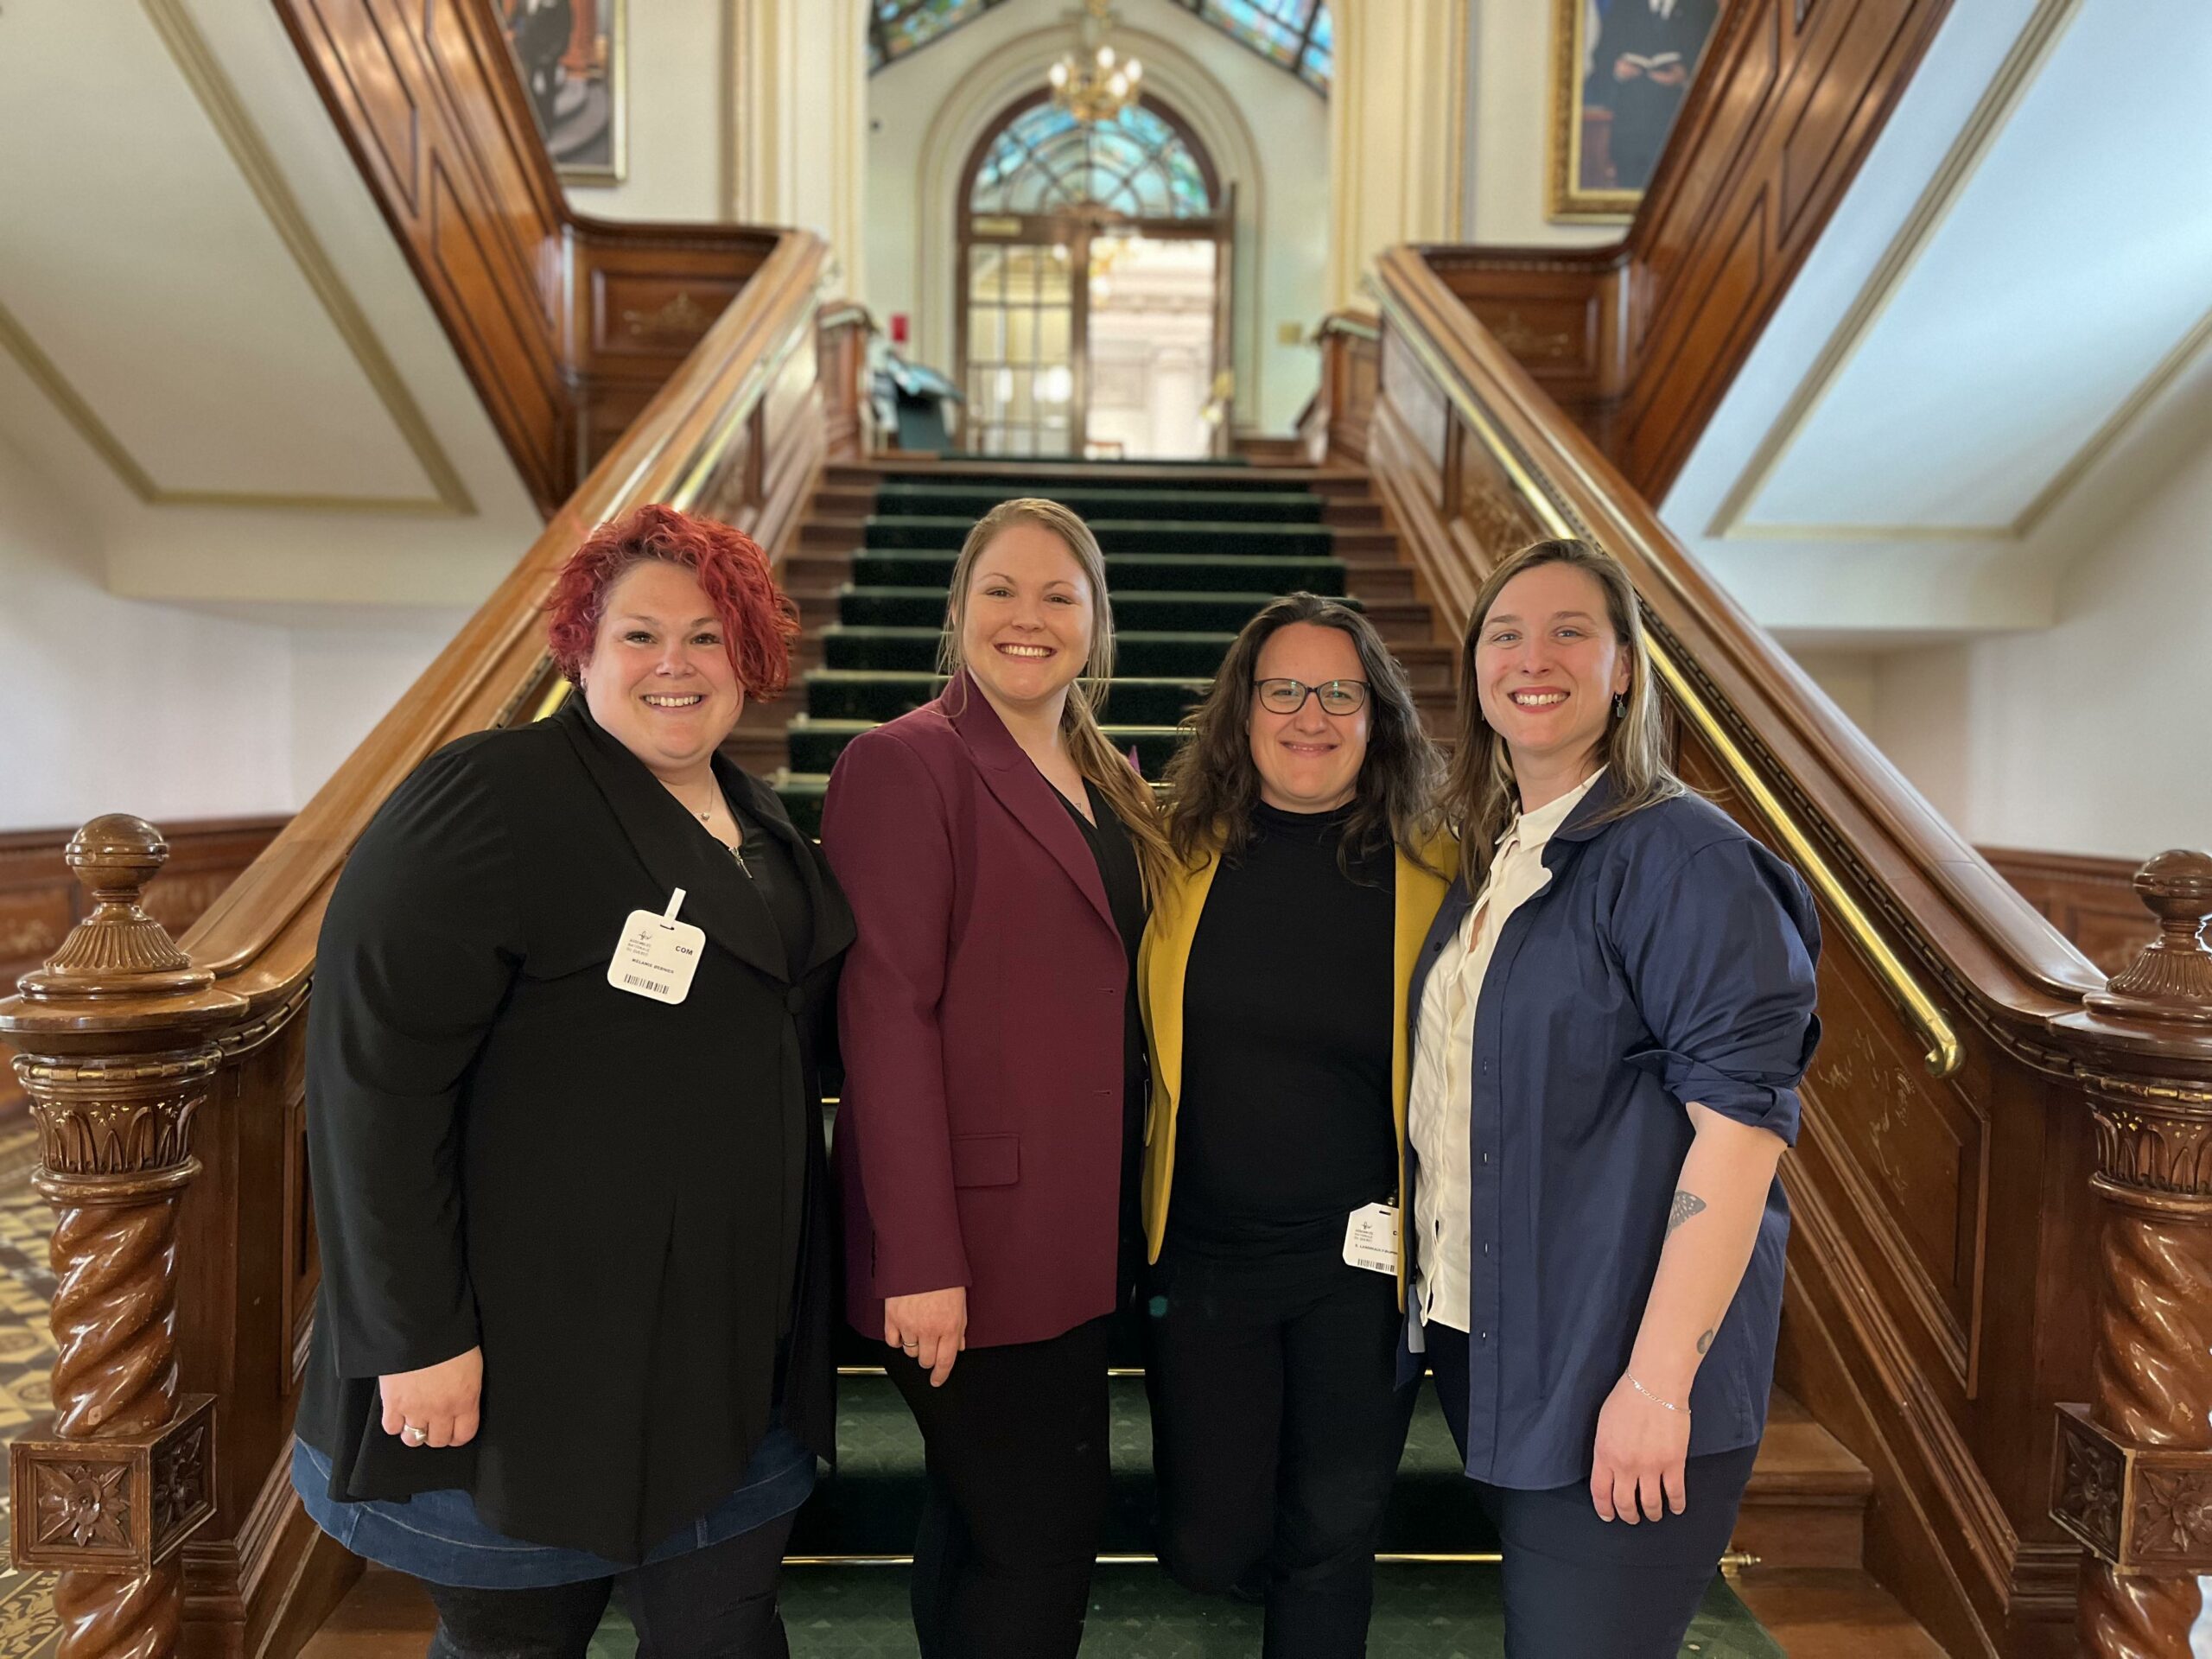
pixel 1652 1397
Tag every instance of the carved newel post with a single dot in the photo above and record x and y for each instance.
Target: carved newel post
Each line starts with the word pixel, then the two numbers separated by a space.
pixel 115 1034
pixel 2134 1469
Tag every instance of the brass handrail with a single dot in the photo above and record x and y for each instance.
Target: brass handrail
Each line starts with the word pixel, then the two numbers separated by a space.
pixel 1944 1052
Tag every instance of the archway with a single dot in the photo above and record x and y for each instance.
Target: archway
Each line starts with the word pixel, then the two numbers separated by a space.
pixel 1092 285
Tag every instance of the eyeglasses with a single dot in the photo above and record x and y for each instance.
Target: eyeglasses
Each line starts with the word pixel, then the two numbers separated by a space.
pixel 1288 696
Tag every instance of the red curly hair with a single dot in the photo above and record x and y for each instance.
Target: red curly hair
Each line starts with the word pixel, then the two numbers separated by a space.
pixel 759 619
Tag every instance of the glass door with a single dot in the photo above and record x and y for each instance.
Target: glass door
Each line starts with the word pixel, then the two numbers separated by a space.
pixel 1023 394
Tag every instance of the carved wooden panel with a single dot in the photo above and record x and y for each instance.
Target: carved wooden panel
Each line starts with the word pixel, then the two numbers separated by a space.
pixel 1494 512
pixel 1418 400
pixel 653 316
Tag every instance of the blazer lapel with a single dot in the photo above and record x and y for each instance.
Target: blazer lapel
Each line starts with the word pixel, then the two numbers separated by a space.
pixel 834 928
pixel 672 846
pixel 1012 777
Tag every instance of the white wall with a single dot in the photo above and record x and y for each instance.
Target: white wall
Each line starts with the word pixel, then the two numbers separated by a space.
pixel 113 705
pixel 678 106
pixel 923 109
pixel 1508 115
pixel 2094 736
pixel 123 705
pixel 347 673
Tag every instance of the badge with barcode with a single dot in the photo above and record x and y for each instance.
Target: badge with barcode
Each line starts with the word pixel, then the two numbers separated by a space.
pixel 1372 1238
pixel 656 955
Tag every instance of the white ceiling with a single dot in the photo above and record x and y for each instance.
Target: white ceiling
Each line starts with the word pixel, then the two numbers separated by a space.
pixel 211 349
pixel 1943 414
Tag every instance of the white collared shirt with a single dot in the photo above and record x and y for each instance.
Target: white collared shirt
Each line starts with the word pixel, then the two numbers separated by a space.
pixel 1439 1112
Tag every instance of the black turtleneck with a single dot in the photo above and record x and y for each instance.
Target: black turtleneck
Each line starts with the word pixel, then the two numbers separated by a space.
pixel 1284 1125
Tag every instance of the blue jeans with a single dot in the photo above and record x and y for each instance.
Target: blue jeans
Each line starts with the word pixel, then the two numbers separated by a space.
pixel 439 1537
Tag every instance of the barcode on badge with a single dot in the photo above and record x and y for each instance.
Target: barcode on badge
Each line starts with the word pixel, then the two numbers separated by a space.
pixel 644 984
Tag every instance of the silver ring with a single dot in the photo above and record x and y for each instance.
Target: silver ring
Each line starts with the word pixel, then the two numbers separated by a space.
pixel 912 1347
pixel 413 1435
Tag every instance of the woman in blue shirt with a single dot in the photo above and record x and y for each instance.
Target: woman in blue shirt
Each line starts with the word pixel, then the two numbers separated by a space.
pixel 1611 1013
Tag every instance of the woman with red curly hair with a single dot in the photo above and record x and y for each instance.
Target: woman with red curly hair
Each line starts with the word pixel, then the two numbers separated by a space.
pixel 565 1138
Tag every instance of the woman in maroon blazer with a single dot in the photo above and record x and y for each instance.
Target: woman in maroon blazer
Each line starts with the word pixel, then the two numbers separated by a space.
pixel 996 852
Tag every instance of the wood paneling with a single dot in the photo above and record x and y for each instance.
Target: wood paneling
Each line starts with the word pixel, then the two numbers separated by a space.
pixel 1638 343
pixel 567 326
pixel 1943 1274
pixel 2092 901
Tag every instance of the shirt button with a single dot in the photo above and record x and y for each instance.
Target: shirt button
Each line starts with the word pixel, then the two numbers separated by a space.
pixel 1485 1336
pixel 1485 1068
pixel 1485 1157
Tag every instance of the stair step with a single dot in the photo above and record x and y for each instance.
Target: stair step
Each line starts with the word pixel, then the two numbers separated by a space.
pixel 872 1503
pixel 1802 1479
pixel 1042 478
pixel 815 744
pixel 903 499
pixel 1127 572
pixel 1194 611
pixel 1423 1609
pixel 1137 536
pixel 1136 652
pixel 881 694
pixel 1807 1504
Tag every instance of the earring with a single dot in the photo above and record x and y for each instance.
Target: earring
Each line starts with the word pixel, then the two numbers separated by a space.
pixel 1620 705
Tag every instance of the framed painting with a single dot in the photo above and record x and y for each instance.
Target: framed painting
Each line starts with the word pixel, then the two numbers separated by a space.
pixel 570 56
pixel 1620 69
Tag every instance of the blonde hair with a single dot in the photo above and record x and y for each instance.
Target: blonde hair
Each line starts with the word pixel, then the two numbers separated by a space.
pixel 1099 761
pixel 1480 795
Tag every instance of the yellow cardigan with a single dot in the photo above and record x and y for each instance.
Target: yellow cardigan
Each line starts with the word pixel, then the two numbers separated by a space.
pixel 1166 953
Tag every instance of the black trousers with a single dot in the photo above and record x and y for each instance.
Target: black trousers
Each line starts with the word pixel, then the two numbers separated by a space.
pixel 1276 1429
pixel 715 1602
pixel 1017 1465
pixel 1579 1587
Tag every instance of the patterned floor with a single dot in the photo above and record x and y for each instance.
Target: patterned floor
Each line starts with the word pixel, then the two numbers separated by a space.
pixel 28 1627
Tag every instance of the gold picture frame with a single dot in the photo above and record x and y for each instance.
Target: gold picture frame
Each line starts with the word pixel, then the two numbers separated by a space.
pixel 573 58
pixel 1601 152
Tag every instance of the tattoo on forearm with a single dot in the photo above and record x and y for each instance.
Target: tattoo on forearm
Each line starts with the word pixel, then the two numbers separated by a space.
pixel 1685 1205
pixel 1704 1343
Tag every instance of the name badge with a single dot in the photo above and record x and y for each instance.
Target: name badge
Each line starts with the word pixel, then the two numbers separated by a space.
pixel 1372 1238
pixel 656 955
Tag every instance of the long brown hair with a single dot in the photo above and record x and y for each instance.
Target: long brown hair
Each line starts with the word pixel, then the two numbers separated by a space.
pixel 1479 793
pixel 1212 781
pixel 1095 758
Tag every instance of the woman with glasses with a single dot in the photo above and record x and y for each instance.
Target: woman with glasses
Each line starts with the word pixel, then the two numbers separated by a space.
pixel 1274 978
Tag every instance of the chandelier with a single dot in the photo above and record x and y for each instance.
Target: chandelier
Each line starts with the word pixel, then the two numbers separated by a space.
pixel 1096 84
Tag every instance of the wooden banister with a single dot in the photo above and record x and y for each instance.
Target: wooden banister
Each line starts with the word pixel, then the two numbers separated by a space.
pixel 1638 342
pixel 1945 1274
pixel 168 1063
pixel 567 324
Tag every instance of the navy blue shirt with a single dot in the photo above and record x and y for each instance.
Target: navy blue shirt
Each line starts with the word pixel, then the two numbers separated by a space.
pixel 1668 960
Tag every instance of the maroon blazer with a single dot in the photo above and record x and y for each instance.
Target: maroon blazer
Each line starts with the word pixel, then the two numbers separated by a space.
pixel 979 1141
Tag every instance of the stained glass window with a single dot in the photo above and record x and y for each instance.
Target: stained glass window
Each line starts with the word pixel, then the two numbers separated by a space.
pixel 898 26
pixel 1295 33
pixel 1137 164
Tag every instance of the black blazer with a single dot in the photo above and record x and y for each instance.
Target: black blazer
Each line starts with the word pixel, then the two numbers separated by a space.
pixel 622 1201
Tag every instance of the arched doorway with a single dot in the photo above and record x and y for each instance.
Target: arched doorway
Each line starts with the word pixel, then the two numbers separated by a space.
pixel 1093 286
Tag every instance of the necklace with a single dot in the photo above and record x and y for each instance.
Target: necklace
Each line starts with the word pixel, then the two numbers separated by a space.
pixel 736 852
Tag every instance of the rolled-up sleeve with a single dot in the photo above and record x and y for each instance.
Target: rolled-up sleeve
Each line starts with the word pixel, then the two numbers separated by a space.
pixel 1721 955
